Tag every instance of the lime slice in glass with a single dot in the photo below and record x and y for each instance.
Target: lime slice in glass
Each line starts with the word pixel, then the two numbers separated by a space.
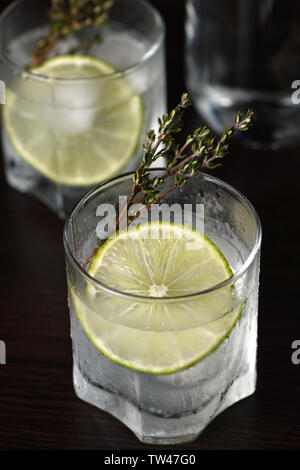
pixel 75 132
pixel 158 335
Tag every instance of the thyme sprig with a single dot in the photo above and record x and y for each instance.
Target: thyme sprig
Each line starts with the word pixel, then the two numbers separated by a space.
pixel 68 17
pixel 200 150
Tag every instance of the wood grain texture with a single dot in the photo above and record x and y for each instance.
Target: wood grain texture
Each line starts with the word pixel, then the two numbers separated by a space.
pixel 38 407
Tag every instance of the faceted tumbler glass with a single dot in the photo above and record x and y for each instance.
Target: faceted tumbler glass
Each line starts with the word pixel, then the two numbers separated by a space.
pixel 174 407
pixel 63 134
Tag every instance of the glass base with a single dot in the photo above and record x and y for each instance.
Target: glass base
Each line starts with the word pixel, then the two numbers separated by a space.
pixel 276 123
pixel 58 197
pixel 153 429
pixel 24 178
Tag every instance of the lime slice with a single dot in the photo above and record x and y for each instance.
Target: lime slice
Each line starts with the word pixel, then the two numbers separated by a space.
pixel 77 133
pixel 156 335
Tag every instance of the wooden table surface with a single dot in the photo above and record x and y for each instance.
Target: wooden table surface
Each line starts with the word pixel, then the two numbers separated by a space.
pixel 38 407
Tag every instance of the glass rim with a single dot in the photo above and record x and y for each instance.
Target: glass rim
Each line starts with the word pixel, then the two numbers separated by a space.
pixel 150 52
pixel 139 298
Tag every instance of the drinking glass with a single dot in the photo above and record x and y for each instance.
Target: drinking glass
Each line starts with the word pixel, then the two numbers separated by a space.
pixel 241 55
pixel 62 135
pixel 113 343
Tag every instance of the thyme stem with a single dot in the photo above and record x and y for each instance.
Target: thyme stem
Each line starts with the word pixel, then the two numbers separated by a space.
pixel 67 17
pixel 199 151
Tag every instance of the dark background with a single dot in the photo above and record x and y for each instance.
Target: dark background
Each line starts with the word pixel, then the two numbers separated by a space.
pixel 38 407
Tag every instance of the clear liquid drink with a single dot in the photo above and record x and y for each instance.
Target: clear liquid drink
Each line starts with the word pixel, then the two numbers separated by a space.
pixel 165 334
pixel 242 55
pixel 78 119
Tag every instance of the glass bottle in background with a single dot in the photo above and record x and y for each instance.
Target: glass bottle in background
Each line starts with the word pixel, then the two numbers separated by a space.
pixel 245 54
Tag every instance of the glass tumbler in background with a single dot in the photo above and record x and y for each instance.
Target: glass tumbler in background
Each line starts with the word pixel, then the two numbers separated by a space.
pixel 79 119
pixel 241 55
pixel 167 361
